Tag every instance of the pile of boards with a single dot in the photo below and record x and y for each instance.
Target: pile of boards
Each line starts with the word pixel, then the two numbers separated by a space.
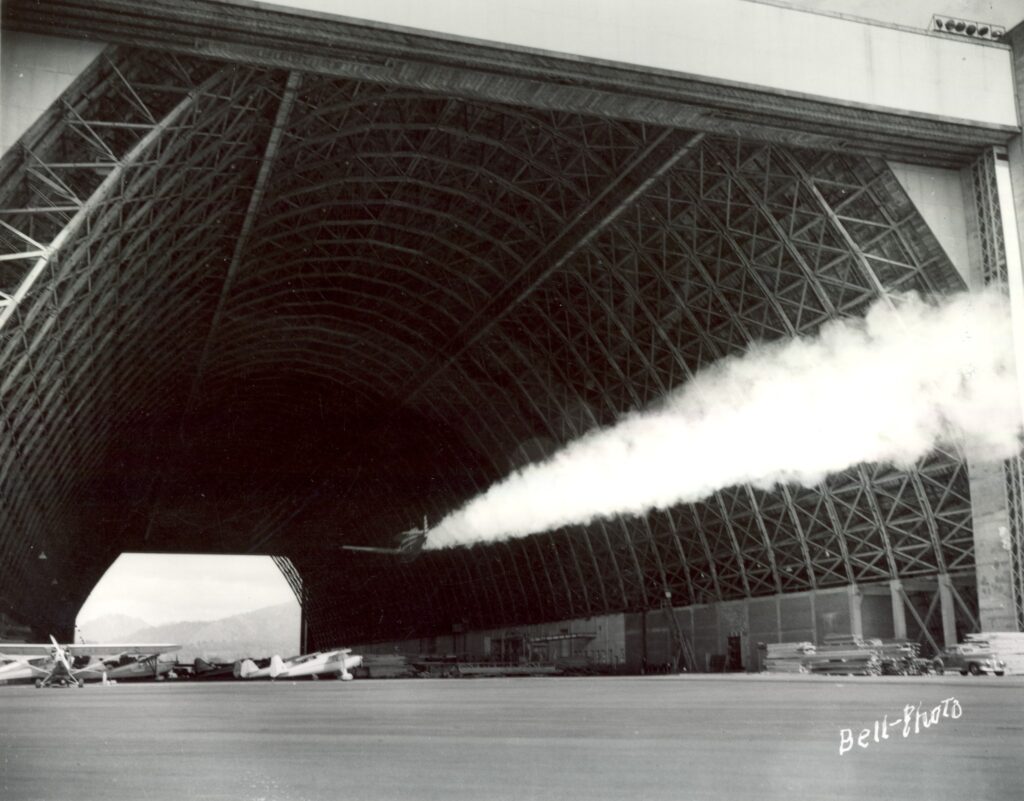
pixel 844 654
pixel 1007 646
pixel 787 657
pixel 384 666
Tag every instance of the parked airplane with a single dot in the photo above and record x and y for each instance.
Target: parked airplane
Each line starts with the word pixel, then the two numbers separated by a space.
pixel 127 667
pixel 211 671
pixel 25 669
pixel 52 665
pixel 323 663
pixel 410 543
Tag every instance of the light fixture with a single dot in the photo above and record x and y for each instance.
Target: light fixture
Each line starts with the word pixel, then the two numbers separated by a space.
pixel 967 28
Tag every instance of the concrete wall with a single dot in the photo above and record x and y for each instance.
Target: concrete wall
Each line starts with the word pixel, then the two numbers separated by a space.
pixel 797 617
pixel 939 196
pixel 607 646
pixel 644 641
pixel 754 44
pixel 34 70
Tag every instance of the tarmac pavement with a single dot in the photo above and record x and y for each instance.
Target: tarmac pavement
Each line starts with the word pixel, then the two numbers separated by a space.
pixel 664 737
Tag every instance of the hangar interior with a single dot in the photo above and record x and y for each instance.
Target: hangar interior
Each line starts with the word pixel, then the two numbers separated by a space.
pixel 295 283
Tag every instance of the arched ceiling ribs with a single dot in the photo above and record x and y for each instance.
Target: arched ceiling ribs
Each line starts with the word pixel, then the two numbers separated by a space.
pixel 469 203
pixel 738 176
pixel 424 234
pixel 459 174
pixel 42 318
pixel 110 185
pixel 618 274
pixel 284 109
pixel 620 192
pixel 539 273
pixel 292 576
pixel 710 563
pixel 256 340
pixel 571 309
pixel 327 315
pixel 362 269
pixel 168 244
pixel 532 136
pixel 379 140
pixel 912 273
pixel 629 339
pixel 499 241
pixel 361 250
pixel 82 282
pixel 528 365
pixel 298 367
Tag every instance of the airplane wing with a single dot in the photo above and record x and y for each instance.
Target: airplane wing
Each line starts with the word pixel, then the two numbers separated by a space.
pixel 90 649
pixel 111 649
pixel 26 648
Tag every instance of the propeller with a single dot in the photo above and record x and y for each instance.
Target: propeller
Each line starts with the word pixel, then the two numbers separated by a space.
pixel 410 543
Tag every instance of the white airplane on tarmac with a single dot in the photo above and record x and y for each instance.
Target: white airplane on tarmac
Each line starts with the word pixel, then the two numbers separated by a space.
pixel 52 665
pixel 322 663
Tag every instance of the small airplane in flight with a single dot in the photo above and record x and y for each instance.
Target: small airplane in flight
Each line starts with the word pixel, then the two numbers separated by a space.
pixel 410 543
pixel 322 663
pixel 53 665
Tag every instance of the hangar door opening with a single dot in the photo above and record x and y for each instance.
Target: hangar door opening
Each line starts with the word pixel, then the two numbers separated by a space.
pixel 219 608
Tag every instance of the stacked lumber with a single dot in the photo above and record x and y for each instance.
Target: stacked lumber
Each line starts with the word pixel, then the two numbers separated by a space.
pixel 901 658
pixel 844 654
pixel 1007 646
pixel 847 655
pixel 384 666
pixel 787 657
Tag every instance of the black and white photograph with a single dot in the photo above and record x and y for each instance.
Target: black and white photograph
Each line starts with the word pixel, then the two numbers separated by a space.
pixel 511 400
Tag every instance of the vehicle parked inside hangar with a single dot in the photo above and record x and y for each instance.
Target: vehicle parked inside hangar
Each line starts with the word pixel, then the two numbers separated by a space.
pixel 973 658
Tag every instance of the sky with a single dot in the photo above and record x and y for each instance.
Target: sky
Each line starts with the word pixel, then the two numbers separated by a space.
pixel 918 13
pixel 912 13
pixel 167 588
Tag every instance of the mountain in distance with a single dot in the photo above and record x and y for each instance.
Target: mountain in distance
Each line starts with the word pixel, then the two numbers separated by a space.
pixel 110 628
pixel 257 634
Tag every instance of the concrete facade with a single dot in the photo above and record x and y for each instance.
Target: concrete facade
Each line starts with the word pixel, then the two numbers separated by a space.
pixel 729 635
pixel 818 55
pixel 602 640
pixel 34 70
pixel 940 197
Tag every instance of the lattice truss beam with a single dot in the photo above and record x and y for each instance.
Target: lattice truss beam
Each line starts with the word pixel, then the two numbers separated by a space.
pixel 115 207
pixel 480 282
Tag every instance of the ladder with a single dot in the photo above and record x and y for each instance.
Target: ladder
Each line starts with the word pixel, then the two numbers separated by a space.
pixel 679 647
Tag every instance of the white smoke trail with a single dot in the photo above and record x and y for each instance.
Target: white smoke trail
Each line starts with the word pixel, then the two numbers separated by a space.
pixel 887 388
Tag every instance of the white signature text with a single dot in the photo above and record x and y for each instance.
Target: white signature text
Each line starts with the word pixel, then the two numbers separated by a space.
pixel 912 720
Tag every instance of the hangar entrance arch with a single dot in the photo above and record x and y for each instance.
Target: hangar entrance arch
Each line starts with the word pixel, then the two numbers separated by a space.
pixel 337 293
pixel 217 606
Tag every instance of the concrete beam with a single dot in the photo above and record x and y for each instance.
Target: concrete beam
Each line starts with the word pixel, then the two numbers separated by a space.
pixel 805 80
pixel 899 614
pixel 948 610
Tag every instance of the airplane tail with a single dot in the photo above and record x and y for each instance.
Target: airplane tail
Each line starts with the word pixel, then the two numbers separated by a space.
pixel 245 668
pixel 411 542
pixel 276 666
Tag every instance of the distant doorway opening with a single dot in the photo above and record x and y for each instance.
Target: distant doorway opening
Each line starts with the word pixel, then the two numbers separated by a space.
pixel 217 607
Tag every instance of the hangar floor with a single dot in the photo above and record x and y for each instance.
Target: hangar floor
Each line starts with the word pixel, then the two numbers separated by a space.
pixel 668 737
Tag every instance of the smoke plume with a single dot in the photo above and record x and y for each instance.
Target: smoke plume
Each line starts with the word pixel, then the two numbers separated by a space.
pixel 891 387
